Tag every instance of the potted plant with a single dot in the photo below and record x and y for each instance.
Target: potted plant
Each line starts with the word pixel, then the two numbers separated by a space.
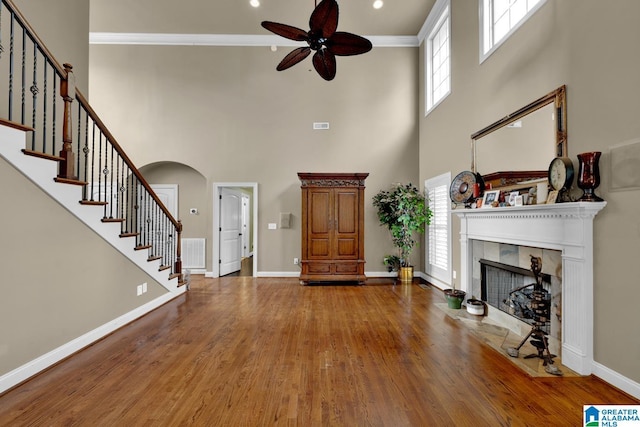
pixel 392 262
pixel 454 297
pixel 403 210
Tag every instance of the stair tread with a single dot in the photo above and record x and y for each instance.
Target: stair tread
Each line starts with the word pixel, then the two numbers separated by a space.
pixel 69 181
pixel 139 248
pixel 112 219
pixel 42 155
pixel 93 203
pixel 129 234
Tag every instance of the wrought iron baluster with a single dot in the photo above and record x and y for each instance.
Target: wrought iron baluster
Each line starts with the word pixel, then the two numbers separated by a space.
pixel 53 113
pixel 85 151
pixel 122 194
pixel 78 140
pixel 93 159
pixel 109 172
pixel 11 67
pixel 23 75
pixel 99 172
pixel 1 47
pixel 137 218
pixel 34 91
pixel 44 105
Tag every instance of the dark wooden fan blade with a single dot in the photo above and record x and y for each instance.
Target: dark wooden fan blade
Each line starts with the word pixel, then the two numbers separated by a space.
pixel 324 19
pixel 325 64
pixel 293 58
pixel 346 44
pixel 286 31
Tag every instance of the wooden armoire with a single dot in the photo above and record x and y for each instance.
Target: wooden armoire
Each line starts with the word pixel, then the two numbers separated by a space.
pixel 332 227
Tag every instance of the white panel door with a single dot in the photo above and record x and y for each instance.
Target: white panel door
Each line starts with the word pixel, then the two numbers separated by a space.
pixel 246 214
pixel 230 231
pixel 168 195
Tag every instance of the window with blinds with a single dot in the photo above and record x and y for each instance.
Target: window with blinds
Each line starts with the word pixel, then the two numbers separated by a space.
pixel 438 233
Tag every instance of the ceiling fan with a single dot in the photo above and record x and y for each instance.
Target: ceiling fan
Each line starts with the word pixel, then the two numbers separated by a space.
pixel 323 38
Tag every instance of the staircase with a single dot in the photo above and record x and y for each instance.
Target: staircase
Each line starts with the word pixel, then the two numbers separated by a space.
pixel 69 193
pixel 61 128
pixel 52 136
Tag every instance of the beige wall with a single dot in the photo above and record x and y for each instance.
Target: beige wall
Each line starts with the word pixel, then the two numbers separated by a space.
pixel 192 189
pixel 227 113
pixel 590 46
pixel 60 280
pixel 63 25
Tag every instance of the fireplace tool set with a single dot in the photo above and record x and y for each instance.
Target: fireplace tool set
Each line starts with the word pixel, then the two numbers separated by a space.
pixel 539 311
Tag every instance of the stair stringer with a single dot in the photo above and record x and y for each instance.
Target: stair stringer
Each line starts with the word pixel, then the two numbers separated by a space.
pixel 42 172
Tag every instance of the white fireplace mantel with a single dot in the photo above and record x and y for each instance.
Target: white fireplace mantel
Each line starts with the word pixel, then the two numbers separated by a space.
pixel 567 227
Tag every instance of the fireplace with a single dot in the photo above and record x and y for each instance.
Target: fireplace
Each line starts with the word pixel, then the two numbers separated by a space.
pixel 563 227
pixel 510 288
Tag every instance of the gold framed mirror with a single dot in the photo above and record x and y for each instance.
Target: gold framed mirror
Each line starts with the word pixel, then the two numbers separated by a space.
pixel 521 145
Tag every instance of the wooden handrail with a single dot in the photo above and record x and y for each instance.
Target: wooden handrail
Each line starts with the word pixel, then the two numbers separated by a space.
pixel 103 128
pixel 34 37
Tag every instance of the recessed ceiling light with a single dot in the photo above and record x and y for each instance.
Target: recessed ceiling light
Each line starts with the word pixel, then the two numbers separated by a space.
pixel 254 3
pixel 378 4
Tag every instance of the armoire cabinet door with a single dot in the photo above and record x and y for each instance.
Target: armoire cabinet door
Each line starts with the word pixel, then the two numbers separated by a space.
pixel 346 224
pixel 319 229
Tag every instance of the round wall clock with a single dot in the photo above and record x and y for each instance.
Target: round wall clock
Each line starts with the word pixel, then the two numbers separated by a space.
pixel 461 189
pixel 561 173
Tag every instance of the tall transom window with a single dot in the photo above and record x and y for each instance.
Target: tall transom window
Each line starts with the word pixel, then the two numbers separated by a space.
pixel 437 55
pixel 500 18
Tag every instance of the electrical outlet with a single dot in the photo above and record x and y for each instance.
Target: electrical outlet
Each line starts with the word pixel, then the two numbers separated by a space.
pixel 139 290
pixel 144 288
pixel 296 261
pixel 455 274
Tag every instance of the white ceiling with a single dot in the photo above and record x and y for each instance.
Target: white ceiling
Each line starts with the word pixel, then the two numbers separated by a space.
pixel 395 18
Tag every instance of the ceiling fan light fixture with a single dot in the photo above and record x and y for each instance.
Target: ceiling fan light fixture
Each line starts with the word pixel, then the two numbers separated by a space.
pixel 378 4
pixel 321 38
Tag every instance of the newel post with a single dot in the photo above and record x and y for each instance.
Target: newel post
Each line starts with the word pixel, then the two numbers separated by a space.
pixel 68 92
pixel 178 263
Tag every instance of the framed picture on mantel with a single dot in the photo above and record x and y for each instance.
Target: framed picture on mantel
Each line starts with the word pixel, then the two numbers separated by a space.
pixel 490 197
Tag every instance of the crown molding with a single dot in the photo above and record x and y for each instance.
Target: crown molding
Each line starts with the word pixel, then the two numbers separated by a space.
pixel 227 40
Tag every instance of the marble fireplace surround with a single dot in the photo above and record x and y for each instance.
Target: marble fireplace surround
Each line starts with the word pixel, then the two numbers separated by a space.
pixel 567 227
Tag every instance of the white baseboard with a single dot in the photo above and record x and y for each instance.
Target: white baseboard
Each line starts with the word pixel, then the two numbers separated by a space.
pixel 28 370
pixel 617 380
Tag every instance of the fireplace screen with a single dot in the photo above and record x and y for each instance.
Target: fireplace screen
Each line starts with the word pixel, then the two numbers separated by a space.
pixel 510 289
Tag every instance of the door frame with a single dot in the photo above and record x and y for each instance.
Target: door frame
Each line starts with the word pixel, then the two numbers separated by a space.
pixel 217 191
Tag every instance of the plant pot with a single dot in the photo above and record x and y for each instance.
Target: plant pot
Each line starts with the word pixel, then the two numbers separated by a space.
pixel 405 274
pixel 475 307
pixel 454 297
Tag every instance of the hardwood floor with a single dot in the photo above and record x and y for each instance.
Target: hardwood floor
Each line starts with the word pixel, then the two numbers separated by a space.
pixel 240 351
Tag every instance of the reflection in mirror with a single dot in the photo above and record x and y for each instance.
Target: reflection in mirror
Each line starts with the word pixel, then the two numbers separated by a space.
pixel 527 144
pixel 522 144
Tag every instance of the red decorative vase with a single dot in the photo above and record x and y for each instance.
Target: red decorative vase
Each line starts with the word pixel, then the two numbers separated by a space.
pixel 589 175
